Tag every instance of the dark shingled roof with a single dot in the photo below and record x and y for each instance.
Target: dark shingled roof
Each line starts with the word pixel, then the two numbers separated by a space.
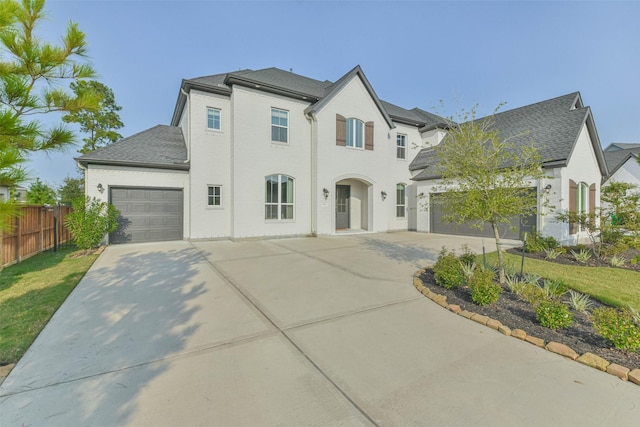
pixel 617 158
pixel 288 83
pixel 622 146
pixel 159 147
pixel 553 126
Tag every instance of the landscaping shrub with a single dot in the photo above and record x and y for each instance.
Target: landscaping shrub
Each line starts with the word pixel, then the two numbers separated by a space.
pixel 554 289
pixel 617 326
pixel 468 256
pixel 536 242
pixel 553 314
pixel 579 302
pixel 483 289
pixel 533 294
pixel 90 220
pixel 448 271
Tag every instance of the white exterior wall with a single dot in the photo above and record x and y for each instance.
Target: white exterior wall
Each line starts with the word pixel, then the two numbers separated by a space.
pixel 582 167
pixel 629 172
pixel 379 168
pixel 210 155
pixel 121 176
pixel 255 156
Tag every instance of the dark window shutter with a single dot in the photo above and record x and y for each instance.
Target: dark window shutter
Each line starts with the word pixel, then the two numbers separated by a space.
pixel 573 198
pixel 368 136
pixel 592 198
pixel 341 130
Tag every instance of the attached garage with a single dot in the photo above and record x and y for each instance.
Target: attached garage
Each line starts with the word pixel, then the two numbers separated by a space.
pixel 522 224
pixel 147 214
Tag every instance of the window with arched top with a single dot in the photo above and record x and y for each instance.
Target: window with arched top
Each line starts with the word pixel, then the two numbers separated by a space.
pixel 401 197
pixel 279 197
pixel 582 201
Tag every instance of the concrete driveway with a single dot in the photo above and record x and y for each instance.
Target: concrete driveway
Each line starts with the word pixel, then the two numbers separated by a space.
pixel 300 331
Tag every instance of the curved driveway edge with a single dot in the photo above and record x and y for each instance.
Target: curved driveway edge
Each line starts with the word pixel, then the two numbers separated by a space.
pixel 300 331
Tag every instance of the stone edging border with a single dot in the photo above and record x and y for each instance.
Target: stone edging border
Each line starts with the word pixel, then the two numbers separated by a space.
pixel 588 359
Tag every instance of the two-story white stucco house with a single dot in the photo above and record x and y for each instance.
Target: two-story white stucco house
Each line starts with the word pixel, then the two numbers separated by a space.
pixel 272 153
pixel 264 153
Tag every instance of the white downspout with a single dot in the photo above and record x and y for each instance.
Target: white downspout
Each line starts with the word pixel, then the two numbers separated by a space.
pixel 188 160
pixel 314 174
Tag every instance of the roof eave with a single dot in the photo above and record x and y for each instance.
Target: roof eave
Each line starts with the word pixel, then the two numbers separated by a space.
pixel 356 71
pixel 254 84
pixel 171 166
pixel 186 86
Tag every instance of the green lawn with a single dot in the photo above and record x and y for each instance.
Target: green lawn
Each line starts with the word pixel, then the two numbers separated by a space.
pixel 614 286
pixel 31 292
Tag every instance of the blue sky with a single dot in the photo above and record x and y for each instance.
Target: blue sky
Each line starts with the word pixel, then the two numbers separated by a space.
pixel 414 53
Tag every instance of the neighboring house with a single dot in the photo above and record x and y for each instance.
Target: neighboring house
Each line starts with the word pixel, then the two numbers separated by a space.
pixel 564 133
pixel 622 162
pixel 272 153
pixel 20 193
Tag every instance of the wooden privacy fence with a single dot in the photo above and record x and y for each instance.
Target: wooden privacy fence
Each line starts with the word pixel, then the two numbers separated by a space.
pixel 35 230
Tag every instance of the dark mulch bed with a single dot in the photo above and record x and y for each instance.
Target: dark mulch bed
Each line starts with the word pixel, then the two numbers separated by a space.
pixel 568 259
pixel 517 314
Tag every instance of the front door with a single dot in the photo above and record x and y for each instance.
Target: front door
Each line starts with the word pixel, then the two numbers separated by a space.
pixel 343 193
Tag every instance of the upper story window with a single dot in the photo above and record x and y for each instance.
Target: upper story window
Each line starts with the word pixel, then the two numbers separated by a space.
pixel 279 125
pixel 278 199
pixel 214 195
pixel 401 146
pixel 401 192
pixel 213 118
pixel 355 133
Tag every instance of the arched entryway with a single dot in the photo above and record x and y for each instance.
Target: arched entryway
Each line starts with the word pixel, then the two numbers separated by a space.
pixel 353 207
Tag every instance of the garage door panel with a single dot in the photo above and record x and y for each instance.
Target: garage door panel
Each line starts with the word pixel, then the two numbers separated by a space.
pixel 515 230
pixel 148 214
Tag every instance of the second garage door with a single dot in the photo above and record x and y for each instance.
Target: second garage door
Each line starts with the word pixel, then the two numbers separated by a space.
pixel 147 214
pixel 522 224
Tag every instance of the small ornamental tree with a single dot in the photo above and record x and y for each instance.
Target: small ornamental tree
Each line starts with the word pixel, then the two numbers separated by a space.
pixel 90 220
pixel 485 176
pixel 623 209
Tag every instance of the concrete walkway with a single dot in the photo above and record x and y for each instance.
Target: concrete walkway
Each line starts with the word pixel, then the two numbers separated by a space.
pixel 301 331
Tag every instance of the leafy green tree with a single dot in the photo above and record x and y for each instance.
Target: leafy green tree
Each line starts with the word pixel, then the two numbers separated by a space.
pixel 485 175
pixel 40 193
pixel 90 220
pixel 623 206
pixel 71 189
pixel 99 124
pixel 32 77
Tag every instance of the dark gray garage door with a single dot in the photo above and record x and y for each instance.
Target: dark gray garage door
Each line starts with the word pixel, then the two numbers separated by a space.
pixel 522 224
pixel 147 214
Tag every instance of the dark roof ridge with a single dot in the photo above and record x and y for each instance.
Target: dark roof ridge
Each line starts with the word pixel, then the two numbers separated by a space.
pixel 575 95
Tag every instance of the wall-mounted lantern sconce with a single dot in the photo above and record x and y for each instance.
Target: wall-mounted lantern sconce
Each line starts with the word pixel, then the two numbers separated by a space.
pixel 325 193
pixel 383 194
pixel 547 189
pixel 100 188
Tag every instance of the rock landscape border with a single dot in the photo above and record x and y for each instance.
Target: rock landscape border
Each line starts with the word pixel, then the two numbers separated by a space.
pixel 588 359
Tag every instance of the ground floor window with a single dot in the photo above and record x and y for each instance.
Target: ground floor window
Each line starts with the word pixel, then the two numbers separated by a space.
pixel 214 195
pixel 401 192
pixel 279 192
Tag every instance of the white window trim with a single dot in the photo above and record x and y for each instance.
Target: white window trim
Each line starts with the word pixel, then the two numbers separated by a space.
pixel 279 203
pixel 582 202
pixel 404 201
pixel 287 127
pixel 219 110
pixel 399 146
pixel 354 134
pixel 221 205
